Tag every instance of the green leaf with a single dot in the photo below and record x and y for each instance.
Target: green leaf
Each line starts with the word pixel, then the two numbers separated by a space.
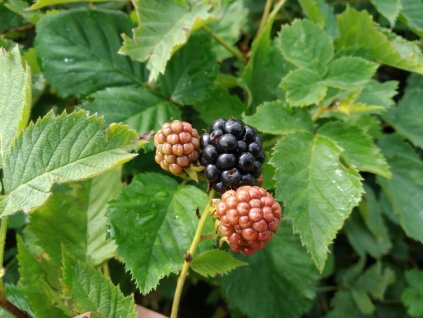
pixel 390 9
pixel 91 291
pixel 16 296
pixel 412 12
pixel 190 73
pixel 46 3
pixel 412 296
pixel 264 70
pixel 60 149
pixel 349 72
pixel 312 11
pixel 407 118
pixel 358 31
pixel 15 92
pixel 78 51
pixel 282 267
pixel 74 218
pixel 164 26
pixel 303 87
pixel 318 190
pixel 305 44
pixel 141 109
pixel 156 213
pixel 38 294
pixel 365 228
pixel 219 104
pixel 359 147
pixel 215 262
pixel 404 189
pixel 277 118
pixel 377 93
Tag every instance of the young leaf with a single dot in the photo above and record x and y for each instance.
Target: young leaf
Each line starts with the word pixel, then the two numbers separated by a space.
pixel 282 267
pixel 141 109
pixel 78 51
pixel 155 217
pixel 390 9
pixel 359 147
pixel 219 104
pixel 305 44
pixel 407 117
pixel 164 26
pixel 38 294
pixel 74 218
pixel 318 190
pixel 190 73
pixel 60 149
pixel 377 93
pixel 358 31
pixel 404 189
pixel 215 262
pixel 91 291
pixel 303 87
pixel 349 72
pixel 15 92
pixel 277 118
pixel 412 296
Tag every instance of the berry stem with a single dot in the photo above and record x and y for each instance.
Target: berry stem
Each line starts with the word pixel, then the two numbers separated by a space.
pixel 187 262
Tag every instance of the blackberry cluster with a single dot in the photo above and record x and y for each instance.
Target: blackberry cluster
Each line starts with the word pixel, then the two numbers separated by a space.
pixel 248 218
pixel 232 154
pixel 177 145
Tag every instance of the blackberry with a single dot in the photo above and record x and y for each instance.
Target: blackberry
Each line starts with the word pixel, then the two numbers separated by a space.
pixel 232 154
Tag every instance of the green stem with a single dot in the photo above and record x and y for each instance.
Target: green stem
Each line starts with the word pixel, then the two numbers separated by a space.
pixel 233 50
pixel 319 112
pixel 276 10
pixel 188 258
pixel 265 16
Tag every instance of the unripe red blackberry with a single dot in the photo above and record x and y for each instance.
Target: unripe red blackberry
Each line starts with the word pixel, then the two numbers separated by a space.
pixel 249 216
pixel 177 145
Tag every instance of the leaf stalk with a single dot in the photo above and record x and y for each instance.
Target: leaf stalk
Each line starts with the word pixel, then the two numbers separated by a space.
pixel 231 49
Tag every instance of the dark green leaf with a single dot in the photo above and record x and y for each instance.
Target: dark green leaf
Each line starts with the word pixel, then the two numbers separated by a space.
pixel 412 296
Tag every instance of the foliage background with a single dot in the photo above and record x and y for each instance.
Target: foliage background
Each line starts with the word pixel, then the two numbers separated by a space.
pixel 336 89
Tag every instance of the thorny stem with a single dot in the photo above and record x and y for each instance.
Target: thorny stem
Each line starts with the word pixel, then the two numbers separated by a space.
pixel 188 259
pixel 265 16
pixel 231 49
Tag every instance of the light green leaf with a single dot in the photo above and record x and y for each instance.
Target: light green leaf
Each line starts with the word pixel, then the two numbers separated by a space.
pixel 349 72
pixel 38 294
pixel 390 9
pixel 313 12
pixel 164 26
pixel 318 190
pixel 282 267
pixel 277 118
pixel 91 291
pixel 45 3
pixel 15 92
pixel 377 93
pixel 141 109
pixel 358 146
pixel 305 44
pixel 219 104
pixel 365 228
pixel 157 214
pixel 74 218
pixel 303 87
pixel 412 13
pixel 264 70
pixel 78 51
pixel 190 73
pixel 358 31
pixel 412 296
pixel 406 186
pixel 60 149
pixel 215 262
pixel 407 117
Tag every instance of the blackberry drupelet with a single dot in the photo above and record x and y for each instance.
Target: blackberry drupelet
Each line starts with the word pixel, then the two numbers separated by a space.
pixel 232 154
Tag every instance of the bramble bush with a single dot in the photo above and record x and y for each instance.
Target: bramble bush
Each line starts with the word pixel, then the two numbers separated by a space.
pixel 91 224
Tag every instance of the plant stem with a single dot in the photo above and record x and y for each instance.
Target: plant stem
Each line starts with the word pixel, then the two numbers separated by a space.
pixel 231 49
pixel 276 10
pixel 188 258
pixel 320 111
pixel 265 16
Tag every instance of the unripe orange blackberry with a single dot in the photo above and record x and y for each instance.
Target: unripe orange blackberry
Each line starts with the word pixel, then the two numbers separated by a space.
pixel 249 216
pixel 177 145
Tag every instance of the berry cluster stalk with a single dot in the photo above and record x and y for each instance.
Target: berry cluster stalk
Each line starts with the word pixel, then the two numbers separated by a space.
pixel 187 262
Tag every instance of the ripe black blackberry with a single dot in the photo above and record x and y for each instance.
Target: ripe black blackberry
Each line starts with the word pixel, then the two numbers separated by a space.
pixel 232 154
